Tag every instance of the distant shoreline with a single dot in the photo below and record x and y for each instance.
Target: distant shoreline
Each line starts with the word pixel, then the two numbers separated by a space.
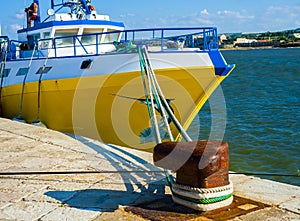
pixel 281 45
pixel 245 48
pixel 253 48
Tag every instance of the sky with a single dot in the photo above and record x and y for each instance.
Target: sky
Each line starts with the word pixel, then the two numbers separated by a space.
pixel 228 16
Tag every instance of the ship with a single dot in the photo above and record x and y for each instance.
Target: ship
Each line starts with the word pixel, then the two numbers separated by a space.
pixel 78 72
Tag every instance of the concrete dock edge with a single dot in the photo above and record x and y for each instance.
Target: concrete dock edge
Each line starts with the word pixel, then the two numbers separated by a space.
pixel 129 179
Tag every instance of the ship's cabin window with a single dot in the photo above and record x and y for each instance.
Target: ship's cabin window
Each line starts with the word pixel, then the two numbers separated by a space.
pixel 91 39
pixel 32 39
pixel 46 35
pixel 22 71
pixel 45 43
pixel 67 36
pixel 111 37
pixel 43 70
pixel 6 72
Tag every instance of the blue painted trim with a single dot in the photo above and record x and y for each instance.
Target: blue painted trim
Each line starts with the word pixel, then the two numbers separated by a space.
pixel 70 23
pixel 221 67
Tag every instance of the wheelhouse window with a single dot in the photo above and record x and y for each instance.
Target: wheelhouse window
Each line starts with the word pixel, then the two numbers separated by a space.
pixel 32 39
pixel 65 37
pixel 90 34
pixel 43 70
pixel 46 35
pixel 22 71
pixel 111 37
pixel 45 43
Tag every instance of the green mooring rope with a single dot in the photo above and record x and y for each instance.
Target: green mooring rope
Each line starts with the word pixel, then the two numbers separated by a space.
pixel 198 201
pixel 142 65
pixel 203 201
pixel 156 97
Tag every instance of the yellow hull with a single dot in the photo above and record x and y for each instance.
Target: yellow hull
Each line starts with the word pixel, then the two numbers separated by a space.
pixel 110 107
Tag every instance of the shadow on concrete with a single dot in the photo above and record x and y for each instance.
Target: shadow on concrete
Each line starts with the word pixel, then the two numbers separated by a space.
pixel 150 186
pixel 104 200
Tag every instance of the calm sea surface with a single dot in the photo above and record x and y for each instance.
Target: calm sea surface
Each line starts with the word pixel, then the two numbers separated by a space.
pixel 263 112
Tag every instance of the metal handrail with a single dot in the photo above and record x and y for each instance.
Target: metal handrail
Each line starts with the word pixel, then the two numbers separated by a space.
pixel 201 37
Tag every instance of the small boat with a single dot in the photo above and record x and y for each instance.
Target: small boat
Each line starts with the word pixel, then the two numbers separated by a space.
pixel 78 72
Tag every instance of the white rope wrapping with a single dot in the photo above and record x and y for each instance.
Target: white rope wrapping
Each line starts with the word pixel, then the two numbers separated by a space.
pixel 203 207
pixel 198 190
pixel 201 194
pixel 209 194
pixel 202 190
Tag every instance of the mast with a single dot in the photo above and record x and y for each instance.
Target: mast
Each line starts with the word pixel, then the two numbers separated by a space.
pixel 85 6
pixel 52 4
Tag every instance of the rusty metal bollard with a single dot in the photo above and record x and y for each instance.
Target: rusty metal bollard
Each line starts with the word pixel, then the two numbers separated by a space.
pixel 206 170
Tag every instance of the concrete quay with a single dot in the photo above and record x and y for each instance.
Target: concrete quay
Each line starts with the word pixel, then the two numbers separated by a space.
pixel 130 187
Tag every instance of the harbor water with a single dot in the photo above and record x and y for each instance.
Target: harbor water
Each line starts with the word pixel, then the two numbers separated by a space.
pixel 262 98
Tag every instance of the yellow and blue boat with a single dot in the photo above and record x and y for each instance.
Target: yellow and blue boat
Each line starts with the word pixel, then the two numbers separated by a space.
pixel 79 72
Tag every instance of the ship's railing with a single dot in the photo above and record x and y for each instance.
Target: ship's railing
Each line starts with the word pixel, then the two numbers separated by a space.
pixel 157 39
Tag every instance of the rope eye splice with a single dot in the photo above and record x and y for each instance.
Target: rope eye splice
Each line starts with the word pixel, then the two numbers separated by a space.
pixel 203 189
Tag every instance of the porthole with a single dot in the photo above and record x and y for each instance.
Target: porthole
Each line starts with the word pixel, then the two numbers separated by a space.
pixel 22 71
pixel 6 72
pixel 43 70
pixel 86 64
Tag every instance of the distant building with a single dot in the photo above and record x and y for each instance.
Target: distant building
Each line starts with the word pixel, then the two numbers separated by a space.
pixel 223 38
pixel 244 40
pixel 225 41
pixel 297 35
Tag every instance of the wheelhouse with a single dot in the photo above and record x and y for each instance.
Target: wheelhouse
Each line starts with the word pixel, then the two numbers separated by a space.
pixel 81 21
